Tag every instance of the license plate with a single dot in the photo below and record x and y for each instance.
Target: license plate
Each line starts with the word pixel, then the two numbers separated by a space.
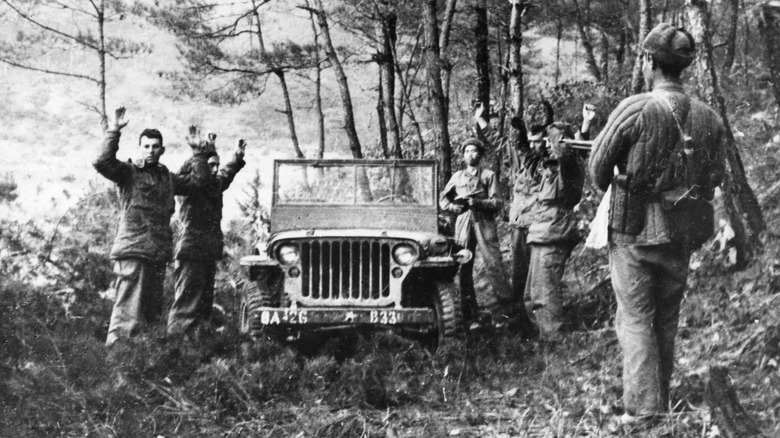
pixel 287 316
pixel 320 316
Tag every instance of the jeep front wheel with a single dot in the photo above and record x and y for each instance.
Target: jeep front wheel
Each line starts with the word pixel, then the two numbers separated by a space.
pixel 258 294
pixel 448 312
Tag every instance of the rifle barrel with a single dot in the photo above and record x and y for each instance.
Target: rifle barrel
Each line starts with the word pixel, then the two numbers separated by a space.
pixel 582 145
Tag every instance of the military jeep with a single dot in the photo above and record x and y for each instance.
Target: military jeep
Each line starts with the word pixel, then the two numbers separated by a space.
pixel 354 243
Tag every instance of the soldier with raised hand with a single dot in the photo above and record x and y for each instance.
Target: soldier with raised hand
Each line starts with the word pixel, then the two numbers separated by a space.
pixel 663 143
pixel 144 243
pixel 200 242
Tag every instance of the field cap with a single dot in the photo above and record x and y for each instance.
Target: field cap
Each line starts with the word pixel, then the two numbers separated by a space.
pixel 473 141
pixel 670 46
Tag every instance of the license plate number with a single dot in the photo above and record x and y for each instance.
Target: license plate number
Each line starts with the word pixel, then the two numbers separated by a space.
pixel 272 317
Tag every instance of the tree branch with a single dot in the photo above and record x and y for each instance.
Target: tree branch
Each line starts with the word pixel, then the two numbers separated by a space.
pixel 53 72
pixel 50 29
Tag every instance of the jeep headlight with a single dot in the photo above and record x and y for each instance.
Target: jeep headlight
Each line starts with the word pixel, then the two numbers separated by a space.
pixel 288 254
pixel 404 254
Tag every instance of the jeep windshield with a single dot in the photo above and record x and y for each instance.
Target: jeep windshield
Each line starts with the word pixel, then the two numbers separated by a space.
pixel 363 182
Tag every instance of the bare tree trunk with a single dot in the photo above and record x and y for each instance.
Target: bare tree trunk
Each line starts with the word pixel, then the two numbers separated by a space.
pixel 444 45
pixel 769 26
pixel 558 37
pixel 432 62
pixel 389 38
pixel 645 23
pixel 742 207
pixel 406 94
pixel 288 109
pixel 732 419
pixel 731 34
pixel 590 58
pixel 318 89
pixel 341 78
pixel 482 54
pixel 516 137
pixel 380 112
pixel 625 37
pixel 101 19
pixel 605 58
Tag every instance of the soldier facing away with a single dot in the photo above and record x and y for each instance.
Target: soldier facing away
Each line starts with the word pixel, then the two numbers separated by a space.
pixel 200 242
pixel 144 242
pixel 663 143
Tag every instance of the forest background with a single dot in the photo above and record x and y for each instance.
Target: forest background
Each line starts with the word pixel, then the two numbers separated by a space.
pixel 362 79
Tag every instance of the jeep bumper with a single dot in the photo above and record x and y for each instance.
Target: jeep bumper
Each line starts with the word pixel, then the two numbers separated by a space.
pixel 326 316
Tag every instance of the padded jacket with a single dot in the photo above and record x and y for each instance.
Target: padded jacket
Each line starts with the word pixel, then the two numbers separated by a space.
pixel 200 214
pixel 146 201
pixel 639 137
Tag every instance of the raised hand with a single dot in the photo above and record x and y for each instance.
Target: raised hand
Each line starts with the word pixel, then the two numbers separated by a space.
pixel 588 113
pixel 241 148
pixel 193 138
pixel 119 118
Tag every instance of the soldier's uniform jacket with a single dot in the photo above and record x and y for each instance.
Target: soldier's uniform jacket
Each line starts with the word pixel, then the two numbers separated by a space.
pixel 200 214
pixel 640 132
pixel 484 188
pixel 146 198
pixel 546 187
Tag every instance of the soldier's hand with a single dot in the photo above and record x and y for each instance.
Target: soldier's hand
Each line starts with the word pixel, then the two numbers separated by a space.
pixel 588 113
pixel 212 138
pixel 474 203
pixel 241 149
pixel 457 208
pixel 119 118
pixel 193 138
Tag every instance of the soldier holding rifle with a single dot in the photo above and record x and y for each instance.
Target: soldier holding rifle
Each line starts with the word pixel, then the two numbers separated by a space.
pixel 668 150
pixel 473 194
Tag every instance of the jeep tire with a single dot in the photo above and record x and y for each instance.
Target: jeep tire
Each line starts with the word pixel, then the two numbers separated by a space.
pixel 448 312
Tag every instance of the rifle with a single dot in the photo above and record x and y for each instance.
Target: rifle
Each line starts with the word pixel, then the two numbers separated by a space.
pixel 581 145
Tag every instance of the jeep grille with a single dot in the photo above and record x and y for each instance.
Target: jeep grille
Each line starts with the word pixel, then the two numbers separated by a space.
pixel 346 272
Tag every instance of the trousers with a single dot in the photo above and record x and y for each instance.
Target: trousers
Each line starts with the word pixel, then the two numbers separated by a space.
pixel 649 283
pixel 194 294
pixel 139 296
pixel 545 287
pixel 521 258
pixel 484 237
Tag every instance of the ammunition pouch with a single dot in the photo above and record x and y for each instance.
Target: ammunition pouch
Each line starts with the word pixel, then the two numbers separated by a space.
pixel 689 217
pixel 627 210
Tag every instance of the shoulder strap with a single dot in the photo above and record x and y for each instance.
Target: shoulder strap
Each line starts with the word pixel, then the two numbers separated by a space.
pixel 684 137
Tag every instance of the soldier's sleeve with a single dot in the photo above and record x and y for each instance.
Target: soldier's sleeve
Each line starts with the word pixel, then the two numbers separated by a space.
pixel 107 164
pixel 193 177
pixel 445 203
pixel 496 141
pixel 614 141
pixel 494 201
pixel 228 173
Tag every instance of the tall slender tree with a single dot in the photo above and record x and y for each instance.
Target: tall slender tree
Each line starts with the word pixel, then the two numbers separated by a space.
pixel 85 29
pixel 516 69
pixel 341 78
pixel 742 207
pixel 645 23
pixel 433 67
pixel 482 53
